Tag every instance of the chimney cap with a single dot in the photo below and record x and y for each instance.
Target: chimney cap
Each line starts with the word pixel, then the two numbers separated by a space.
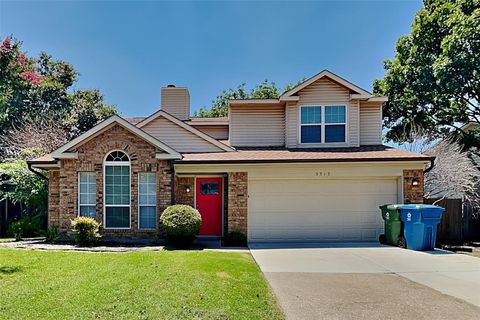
pixel 171 86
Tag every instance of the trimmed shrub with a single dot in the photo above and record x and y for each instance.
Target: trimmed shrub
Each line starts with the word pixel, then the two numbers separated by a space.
pixel 235 239
pixel 181 223
pixel 86 231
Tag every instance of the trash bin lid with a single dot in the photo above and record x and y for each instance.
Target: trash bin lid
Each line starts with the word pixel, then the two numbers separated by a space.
pixel 413 206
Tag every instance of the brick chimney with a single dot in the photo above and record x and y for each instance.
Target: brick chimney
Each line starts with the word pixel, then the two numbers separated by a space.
pixel 176 101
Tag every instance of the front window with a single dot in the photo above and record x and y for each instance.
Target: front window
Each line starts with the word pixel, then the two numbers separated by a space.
pixel 147 200
pixel 323 124
pixel 86 194
pixel 117 191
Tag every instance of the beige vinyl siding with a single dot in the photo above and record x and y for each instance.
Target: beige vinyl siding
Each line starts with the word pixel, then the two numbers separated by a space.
pixel 323 91
pixel 291 125
pixel 176 101
pixel 353 124
pixel 219 132
pixel 178 138
pixel 370 123
pixel 259 125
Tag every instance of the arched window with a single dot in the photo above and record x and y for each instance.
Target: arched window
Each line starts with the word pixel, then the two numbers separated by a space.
pixel 116 190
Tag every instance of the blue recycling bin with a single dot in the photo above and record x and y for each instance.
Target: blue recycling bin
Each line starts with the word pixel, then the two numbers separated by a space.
pixel 420 225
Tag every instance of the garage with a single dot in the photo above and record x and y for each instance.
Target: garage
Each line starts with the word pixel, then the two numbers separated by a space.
pixel 325 210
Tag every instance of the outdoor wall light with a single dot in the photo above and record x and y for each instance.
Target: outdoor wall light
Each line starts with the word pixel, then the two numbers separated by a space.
pixel 187 189
pixel 414 182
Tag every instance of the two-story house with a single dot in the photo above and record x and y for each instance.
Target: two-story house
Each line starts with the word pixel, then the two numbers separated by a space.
pixel 309 166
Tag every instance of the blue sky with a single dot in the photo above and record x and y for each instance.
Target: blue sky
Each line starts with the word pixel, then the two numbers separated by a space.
pixel 130 49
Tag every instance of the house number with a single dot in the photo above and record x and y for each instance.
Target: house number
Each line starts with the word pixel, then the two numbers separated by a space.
pixel 322 173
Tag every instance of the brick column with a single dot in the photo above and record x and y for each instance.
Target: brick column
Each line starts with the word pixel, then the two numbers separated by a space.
pixel 413 193
pixel 53 198
pixel 237 202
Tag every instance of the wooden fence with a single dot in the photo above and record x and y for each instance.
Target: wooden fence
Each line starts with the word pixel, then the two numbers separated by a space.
pixel 460 222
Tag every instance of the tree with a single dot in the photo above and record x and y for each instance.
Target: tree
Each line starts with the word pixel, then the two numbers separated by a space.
pixel 20 185
pixel 33 139
pixel 87 109
pixel 264 90
pixel 453 175
pixel 40 88
pixel 434 79
pixel 39 112
pixel 219 107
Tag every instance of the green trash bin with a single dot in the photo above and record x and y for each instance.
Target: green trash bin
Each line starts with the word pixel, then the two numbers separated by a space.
pixel 393 224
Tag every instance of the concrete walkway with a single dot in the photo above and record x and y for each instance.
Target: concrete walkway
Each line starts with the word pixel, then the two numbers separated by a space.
pixel 342 281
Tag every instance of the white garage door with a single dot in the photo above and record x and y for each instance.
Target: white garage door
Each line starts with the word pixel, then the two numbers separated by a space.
pixel 318 210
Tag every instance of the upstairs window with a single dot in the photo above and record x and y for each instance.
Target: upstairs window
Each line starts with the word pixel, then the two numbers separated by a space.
pixel 117 191
pixel 323 124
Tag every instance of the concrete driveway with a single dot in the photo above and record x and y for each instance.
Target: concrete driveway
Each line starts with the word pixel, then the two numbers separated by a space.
pixel 370 281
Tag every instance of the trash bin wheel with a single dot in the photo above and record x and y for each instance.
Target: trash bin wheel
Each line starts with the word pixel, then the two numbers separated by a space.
pixel 382 239
pixel 401 242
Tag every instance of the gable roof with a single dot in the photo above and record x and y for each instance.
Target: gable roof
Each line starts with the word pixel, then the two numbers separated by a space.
pixel 330 75
pixel 185 126
pixel 62 152
pixel 135 120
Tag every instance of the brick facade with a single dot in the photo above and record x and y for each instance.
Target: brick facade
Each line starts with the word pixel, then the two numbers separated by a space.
pixel 63 185
pixel 411 193
pixel 53 198
pixel 90 158
pixel 237 202
pixel 181 195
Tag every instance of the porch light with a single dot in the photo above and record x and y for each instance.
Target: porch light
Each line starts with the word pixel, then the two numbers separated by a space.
pixel 187 189
pixel 414 182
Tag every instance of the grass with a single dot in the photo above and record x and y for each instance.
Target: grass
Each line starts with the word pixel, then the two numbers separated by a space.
pixel 136 285
pixel 7 239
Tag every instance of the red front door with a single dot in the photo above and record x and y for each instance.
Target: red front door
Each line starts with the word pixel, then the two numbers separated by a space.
pixel 209 203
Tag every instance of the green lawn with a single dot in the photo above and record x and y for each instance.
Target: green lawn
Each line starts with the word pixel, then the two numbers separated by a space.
pixel 7 239
pixel 136 285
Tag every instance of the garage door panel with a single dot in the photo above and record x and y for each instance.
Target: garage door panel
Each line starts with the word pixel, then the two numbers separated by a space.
pixel 326 210
pixel 323 186
pixel 316 203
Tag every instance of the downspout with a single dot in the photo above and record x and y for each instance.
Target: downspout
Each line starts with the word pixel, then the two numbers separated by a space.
pixel 29 166
pixel 432 164
pixel 172 182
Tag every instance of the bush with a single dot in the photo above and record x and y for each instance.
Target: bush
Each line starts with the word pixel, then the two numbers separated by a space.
pixel 236 239
pixel 15 230
pixel 52 234
pixel 86 231
pixel 181 223
pixel 26 227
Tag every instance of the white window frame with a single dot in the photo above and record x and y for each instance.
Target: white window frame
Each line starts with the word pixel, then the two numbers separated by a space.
pixel 140 205
pixel 78 193
pixel 322 123
pixel 117 163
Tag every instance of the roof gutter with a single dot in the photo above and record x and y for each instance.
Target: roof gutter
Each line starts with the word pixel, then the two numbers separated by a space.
pixel 297 160
pixel 38 173
pixel 432 164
